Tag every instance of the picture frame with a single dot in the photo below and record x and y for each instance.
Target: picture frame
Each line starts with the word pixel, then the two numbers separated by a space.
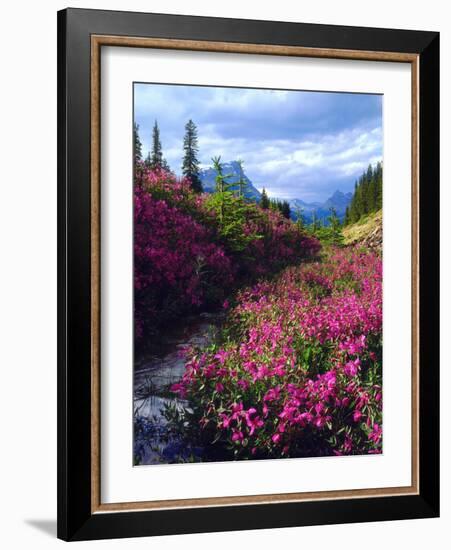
pixel 81 36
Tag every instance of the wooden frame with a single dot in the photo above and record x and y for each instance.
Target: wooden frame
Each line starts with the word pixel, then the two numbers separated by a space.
pixel 81 514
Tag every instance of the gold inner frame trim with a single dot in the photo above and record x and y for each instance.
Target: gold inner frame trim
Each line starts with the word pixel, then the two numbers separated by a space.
pixel 97 41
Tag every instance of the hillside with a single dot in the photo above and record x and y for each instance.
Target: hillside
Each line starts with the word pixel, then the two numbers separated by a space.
pixel 191 250
pixel 367 231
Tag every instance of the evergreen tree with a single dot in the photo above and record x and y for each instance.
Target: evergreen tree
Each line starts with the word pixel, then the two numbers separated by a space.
pixel 241 183
pixel 358 201
pixel 264 201
pixel 222 191
pixel 334 220
pixel 364 194
pixel 372 195
pixel 273 204
pixel 155 157
pixel 286 211
pixel 137 145
pixel 138 171
pixel 346 220
pixel 353 215
pixel 378 177
pixel 299 218
pixel 221 185
pixel 219 176
pixel 369 173
pixel 190 166
pixel 367 196
pixel 315 225
pixel 156 153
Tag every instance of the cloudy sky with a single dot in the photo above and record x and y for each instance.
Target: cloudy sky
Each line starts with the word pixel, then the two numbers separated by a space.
pixel 295 144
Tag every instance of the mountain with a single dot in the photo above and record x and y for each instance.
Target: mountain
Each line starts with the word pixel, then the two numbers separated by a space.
pixel 208 175
pixel 306 208
pixel 338 200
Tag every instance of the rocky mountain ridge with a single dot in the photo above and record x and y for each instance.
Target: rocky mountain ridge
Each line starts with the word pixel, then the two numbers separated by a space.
pixel 338 200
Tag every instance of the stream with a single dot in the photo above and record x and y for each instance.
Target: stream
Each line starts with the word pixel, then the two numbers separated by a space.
pixel 153 375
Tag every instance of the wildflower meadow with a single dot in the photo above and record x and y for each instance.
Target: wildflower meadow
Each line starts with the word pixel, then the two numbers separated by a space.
pixel 296 368
pixel 257 306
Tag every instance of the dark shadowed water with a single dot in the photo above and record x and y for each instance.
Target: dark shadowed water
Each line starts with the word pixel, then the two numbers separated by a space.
pixel 153 375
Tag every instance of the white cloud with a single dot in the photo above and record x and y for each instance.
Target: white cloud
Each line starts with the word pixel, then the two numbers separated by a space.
pixel 295 144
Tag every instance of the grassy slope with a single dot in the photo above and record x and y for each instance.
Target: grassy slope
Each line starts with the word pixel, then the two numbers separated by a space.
pixel 363 228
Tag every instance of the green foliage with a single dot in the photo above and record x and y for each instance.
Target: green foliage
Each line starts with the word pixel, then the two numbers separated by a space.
pixel 155 157
pixel 264 201
pixel 221 184
pixel 190 166
pixel 328 235
pixel 281 206
pixel 334 220
pixel 286 211
pixel 316 224
pixel 232 213
pixel 347 218
pixel 241 183
pixel 222 189
pixel 300 222
pixel 291 377
pixel 137 145
pixel 367 195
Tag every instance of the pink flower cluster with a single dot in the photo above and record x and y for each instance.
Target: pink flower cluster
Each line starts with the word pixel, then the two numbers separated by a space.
pixel 176 264
pixel 300 373
pixel 279 242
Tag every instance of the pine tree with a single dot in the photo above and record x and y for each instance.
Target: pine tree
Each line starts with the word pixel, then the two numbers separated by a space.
pixel 358 202
pixel 346 218
pixel 190 166
pixel 286 211
pixel 315 225
pixel 137 145
pixel 299 218
pixel 378 177
pixel 333 219
pixel 336 235
pixel 221 184
pixel 156 153
pixel 155 158
pixel 364 194
pixel 222 188
pixel 280 206
pixel 241 183
pixel 273 204
pixel 353 214
pixel 369 173
pixel 367 196
pixel 264 201
pixel 372 195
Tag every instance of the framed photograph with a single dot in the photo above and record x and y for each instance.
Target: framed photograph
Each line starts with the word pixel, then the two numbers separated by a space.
pixel 248 274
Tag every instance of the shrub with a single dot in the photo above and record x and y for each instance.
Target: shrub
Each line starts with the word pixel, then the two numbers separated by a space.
pixel 191 249
pixel 177 267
